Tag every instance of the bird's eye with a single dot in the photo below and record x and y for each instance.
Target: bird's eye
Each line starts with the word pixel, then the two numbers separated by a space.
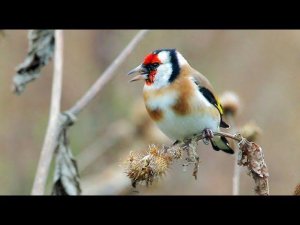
pixel 155 65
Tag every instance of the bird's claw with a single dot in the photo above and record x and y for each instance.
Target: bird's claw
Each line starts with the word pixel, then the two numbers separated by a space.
pixel 207 135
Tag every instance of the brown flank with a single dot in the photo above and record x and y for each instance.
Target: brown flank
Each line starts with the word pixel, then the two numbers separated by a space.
pixel 155 114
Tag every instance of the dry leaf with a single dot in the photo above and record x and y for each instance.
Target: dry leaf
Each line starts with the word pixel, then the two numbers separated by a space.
pixel 41 49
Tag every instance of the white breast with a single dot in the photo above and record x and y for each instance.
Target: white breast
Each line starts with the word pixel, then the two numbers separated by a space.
pixel 162 102
pixel 178 127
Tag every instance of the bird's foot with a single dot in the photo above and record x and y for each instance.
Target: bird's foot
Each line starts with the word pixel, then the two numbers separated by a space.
pixel 207 134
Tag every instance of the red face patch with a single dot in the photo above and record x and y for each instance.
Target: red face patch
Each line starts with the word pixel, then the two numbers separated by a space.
pixel 151 58
pixel 151 75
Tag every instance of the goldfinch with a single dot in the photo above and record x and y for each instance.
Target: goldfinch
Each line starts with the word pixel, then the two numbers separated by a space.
pixel 180 99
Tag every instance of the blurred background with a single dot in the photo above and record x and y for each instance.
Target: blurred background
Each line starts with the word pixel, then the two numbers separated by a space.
pixel 262 67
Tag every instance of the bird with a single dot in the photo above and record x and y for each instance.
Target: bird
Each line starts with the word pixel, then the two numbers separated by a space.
pixel 179 99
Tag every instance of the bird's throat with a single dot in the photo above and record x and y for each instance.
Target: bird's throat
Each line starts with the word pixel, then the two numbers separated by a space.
pixel 150 79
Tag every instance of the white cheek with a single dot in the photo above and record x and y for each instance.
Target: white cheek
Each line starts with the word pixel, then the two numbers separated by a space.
pixel 162 76
pixel 164 70
pixel 163 56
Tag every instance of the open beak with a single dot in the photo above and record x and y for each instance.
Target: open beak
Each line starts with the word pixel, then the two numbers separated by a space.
pixel 143 73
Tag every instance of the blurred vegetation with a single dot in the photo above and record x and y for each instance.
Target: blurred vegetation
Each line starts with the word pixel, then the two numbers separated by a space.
pixel 262 67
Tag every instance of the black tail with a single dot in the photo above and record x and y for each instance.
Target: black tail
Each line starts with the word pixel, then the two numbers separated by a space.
pixel 221 143
pixel 223 124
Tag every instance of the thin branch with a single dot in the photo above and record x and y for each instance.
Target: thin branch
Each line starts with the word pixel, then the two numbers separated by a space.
pixel 107 74
pixel 53 131
pixel 231 106
pixel 237 168
pixel 234 137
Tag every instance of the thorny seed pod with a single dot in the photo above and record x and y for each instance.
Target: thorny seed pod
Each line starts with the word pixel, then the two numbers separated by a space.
pixel 148 166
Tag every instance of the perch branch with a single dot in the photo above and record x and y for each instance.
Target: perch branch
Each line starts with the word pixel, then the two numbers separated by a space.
pixel 52 133
pixel 144 168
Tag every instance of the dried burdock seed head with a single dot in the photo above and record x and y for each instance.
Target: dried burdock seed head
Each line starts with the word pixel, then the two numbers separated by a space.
pixel 148 166
pixel 153 163
pixel 253 158
pixel 251 131
pixel 297 190
pixel 230 103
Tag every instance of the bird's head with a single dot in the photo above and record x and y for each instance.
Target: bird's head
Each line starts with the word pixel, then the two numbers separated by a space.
pixel 159 68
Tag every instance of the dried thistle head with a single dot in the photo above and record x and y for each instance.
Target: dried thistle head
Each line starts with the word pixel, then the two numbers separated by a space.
pixel 147 166
pixel 251 131
pixel 253 158
pixel 230 103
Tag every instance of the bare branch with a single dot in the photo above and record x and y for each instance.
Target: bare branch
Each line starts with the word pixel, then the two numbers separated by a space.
pixel 236 168
pixel 107 74
pixel 53 130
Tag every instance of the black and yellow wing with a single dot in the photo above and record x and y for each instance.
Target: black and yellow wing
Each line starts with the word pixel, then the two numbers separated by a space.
pixel 206 89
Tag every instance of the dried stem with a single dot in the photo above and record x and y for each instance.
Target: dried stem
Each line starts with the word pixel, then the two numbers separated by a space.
pixel 107 74
pixel 59 121
pixel 144 167
pixel 237 168
pixel 234 137
pixel 52 133
pixel 253 158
